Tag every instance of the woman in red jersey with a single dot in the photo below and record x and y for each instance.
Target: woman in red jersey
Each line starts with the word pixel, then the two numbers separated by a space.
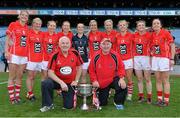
pixel 141 53
pixel 16 54
pixel 94 37
pixel 50 43
pixel 163 50
pixel 35 55
pixel 66 30
pixel 110 33
pixel 124 48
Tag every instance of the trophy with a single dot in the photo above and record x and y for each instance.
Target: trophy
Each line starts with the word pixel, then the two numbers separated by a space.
pixel 84 90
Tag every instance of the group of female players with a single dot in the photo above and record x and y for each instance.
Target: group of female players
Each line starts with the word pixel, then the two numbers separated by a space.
pixel 142 51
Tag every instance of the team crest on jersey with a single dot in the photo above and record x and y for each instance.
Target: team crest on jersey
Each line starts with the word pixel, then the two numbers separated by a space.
pixel 122 41
pixel 66 70
pixel 156 41
pixel 50 40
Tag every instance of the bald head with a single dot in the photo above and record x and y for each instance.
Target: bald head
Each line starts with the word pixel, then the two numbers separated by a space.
pixel 64 43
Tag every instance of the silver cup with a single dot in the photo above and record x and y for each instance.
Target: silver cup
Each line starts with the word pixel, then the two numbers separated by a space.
pixel 84 90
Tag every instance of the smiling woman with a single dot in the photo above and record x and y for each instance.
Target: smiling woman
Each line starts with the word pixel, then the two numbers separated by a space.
pixel 16 54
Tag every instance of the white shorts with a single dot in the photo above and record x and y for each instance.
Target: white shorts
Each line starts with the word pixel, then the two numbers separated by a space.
pixel 34 66
pixel 160 64
pixel 142 63
pixel 128 64
pixel 44 65
pixel 86 65
pixel 17 59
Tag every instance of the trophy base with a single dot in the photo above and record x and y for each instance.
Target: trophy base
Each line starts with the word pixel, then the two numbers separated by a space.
pixel 84 107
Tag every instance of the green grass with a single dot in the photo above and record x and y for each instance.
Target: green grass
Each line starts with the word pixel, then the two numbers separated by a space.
pixel 131 108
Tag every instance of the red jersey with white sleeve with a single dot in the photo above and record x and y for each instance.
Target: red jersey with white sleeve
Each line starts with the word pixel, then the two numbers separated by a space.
pixel 18 35
pixel 94 42
pixel 103 68
pixel 112 37
pixel 141 44
pixel 50 45
pixel 35 46
pixel 124 45
pixel 69 35
pixel 65 67
pixel 160 43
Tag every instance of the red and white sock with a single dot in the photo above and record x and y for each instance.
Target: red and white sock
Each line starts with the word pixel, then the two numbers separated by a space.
pixel 149 95
pixel 166 98
pixel 30 94
pixel 141 95
pixel 11 92
pixel 159 95
pixel 130 88
pixel 17 91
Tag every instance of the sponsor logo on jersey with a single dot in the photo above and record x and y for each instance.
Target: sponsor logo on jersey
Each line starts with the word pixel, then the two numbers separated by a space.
pixel 66 70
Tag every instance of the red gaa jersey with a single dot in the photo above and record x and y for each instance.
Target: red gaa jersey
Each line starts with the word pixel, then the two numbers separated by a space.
pixel 65 67
pixel 94 42
pixel 112 37
pixel 160 43
pixel 18 35
pixel 124 45
pixel 103 68
pixel 50 44
pixel 141 44
pixel 35 46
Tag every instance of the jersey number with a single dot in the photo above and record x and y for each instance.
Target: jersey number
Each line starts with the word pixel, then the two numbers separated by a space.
pixel 37 47
pixel 139 48
pixel 123 49
pixel 96 46
pixel 49 48
pixel 23 41
pixel 81 50
pixel 157 49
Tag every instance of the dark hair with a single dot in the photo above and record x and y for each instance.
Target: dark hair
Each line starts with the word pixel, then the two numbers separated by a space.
pixel 159 20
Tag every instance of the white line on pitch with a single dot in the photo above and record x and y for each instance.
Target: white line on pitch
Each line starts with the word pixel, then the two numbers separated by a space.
pixel 4 82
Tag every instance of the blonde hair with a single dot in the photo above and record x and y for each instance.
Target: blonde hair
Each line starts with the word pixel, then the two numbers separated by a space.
pixel 26 11
pixel 140 21
pixel 36 20
pixel 108 20
pixel 51 21
pixel 127 23
pixel 92 21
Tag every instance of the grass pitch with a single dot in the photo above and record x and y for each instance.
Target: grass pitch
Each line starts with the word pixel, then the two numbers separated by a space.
pixel 132 109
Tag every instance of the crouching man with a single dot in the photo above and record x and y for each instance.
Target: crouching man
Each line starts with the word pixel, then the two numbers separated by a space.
pixel 107 71
pixel 64 70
